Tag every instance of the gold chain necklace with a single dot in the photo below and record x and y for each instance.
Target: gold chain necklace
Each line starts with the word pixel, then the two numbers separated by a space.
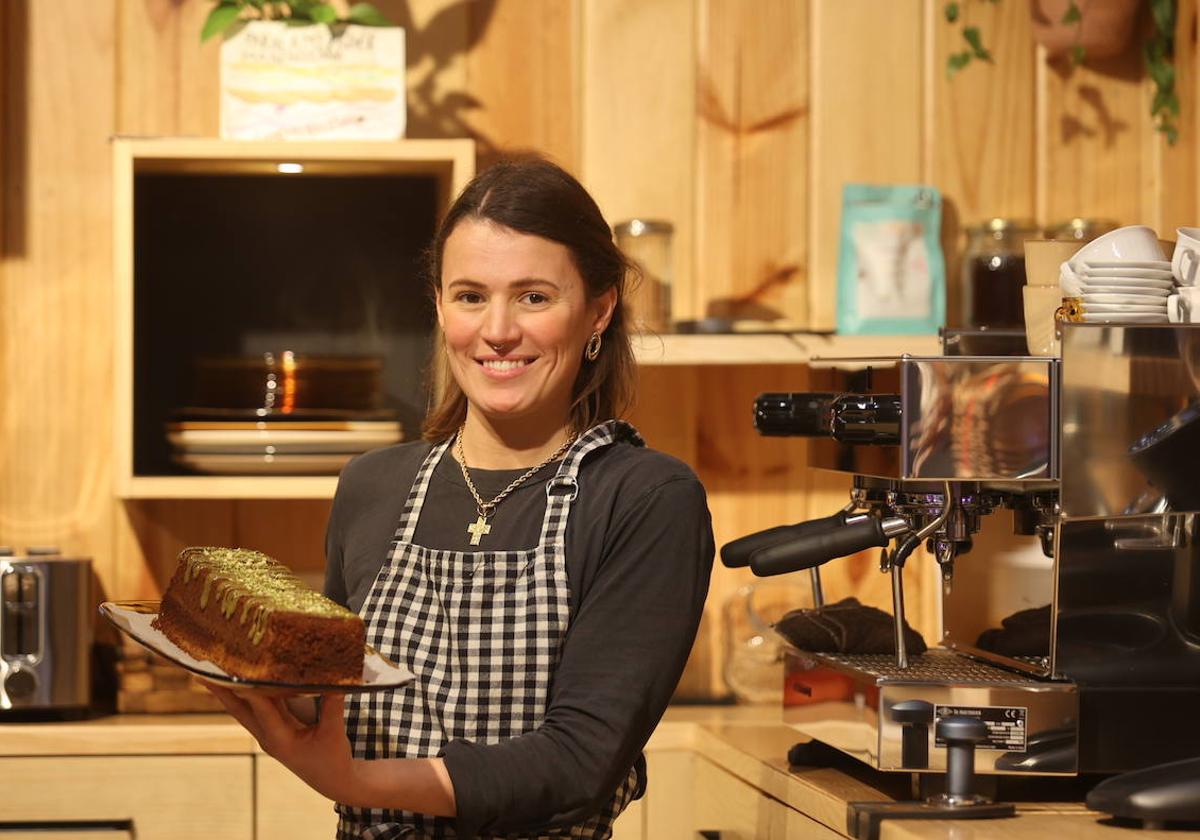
pixel 479 527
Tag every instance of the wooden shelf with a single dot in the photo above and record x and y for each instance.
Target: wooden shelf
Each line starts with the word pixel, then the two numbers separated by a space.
pixel 775 348
pixel 701 350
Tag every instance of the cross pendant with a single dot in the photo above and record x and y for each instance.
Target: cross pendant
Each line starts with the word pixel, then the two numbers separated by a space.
pixel 477 529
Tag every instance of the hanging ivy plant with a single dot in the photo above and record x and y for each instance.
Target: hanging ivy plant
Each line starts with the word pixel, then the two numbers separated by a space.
pixel 1158 53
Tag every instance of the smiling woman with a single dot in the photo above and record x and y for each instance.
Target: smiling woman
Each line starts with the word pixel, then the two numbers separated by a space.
pixel 527 229
pixel 516 317
pixel 544 572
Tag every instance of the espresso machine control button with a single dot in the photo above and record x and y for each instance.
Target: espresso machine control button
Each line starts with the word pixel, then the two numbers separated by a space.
pixel 961 734
pixel 20 684
pixel 914 717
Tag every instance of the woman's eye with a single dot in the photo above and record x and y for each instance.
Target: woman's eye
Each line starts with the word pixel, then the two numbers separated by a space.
pixel 470 297
pixel 536 298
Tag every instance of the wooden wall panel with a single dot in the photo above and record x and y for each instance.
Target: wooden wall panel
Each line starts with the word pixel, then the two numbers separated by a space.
pixel 980 144
pixel 867 71
pixel 167 81
pixel 753 482
pixel 1097 144
pixel 527 97
pixel 1179 190
pixel 752 155
pixel 56 379
pixel 638 121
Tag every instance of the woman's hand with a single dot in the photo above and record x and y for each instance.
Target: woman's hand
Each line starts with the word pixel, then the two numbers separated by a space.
pixel 320 754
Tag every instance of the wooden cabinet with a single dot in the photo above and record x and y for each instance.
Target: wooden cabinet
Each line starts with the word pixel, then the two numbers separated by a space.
pixel 158 797
pixel 285 807
pixel 735 810
pixel 688 794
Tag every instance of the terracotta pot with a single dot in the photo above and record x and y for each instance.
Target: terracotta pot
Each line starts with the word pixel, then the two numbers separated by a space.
pixel 1104 32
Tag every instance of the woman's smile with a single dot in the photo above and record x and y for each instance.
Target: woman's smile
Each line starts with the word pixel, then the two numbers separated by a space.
pixel 505 368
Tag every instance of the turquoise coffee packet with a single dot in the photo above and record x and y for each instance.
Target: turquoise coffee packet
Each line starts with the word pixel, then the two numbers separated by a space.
pixel 891 271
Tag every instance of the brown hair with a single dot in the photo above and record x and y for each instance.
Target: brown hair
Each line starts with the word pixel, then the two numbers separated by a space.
pixel 531 195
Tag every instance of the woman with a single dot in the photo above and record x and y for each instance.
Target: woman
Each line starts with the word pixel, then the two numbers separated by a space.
pixel 539 570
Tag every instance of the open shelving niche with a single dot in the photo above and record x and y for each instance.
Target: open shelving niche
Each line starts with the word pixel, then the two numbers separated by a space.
pixel 236 248
pixel 264 272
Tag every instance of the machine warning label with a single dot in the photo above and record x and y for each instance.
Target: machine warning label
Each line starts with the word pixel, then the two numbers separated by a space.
pixel 1005 724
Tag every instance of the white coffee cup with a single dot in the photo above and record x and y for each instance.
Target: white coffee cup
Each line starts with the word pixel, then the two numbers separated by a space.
pixel 1184 307
pixel 1135 243
pixel 1185 265
pixel 1040 327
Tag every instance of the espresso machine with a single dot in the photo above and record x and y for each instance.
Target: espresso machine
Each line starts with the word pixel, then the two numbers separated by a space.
pixel 1059 498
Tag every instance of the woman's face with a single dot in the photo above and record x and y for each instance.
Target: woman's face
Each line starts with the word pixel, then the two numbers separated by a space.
pixel 516 317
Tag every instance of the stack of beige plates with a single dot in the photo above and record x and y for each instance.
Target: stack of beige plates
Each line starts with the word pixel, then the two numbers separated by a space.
pixel 281 413
pixel 275 447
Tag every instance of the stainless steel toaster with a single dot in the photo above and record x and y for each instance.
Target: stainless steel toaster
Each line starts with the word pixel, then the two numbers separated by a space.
pixel 46 628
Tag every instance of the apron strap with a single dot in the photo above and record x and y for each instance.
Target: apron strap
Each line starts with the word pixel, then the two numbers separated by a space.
pixel 562 489
pixel 407 528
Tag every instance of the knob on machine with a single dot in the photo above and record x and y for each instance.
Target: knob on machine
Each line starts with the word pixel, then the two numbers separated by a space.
pixel 959 802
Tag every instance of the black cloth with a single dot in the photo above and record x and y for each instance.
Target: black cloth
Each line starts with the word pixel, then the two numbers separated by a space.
pixel 1024 633
pixel 639 554
pixel 846 627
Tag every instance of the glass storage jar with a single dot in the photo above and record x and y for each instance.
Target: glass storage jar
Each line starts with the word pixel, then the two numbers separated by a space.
pixel 994 273
pixel 648 243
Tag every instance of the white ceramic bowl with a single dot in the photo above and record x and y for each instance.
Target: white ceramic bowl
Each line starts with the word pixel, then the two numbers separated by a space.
pixel 1137 243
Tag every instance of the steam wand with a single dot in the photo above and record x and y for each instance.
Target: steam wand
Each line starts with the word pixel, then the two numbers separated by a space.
pixel 895 564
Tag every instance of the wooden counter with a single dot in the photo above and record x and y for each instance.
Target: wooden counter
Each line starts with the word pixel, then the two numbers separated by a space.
pixel 711 769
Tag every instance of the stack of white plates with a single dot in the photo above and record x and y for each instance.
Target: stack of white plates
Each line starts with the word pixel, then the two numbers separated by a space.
pixel 1119 291
pixel 276 447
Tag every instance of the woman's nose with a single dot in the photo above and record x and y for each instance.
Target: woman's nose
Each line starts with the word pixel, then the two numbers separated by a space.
pixel 499 326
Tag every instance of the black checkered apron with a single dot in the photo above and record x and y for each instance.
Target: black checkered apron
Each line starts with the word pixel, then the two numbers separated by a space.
pixel 482 633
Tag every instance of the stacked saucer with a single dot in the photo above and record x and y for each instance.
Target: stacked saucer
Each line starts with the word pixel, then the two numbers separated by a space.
pixel 1122 277
pixel 274 445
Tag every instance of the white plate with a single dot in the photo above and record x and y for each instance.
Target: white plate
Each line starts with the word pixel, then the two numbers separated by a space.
pixel 263 464
pixel 1124 318
pixel 1129 282
pixel 1156 265
pixel 1137 273
pixel 134 618
pixel 1124 300
pixel 261 450
pixel 373 426
pixel 256 442
pixel 1127 291
pixel 1109 311
pixel 1101 287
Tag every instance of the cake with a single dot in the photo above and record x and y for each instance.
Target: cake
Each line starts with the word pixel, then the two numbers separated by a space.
pixel 251 616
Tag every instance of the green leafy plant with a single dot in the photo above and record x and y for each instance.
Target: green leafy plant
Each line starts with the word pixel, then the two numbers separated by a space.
pixel 1158 54
pixel 956 13
pixel 227 14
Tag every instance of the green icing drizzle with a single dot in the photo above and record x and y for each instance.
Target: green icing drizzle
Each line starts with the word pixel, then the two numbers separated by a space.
pixel 236 577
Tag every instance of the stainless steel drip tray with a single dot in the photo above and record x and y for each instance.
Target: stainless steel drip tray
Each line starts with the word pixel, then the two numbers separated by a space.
pixel 887 716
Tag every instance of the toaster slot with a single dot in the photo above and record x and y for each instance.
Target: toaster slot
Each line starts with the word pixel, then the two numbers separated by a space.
pixel 19 592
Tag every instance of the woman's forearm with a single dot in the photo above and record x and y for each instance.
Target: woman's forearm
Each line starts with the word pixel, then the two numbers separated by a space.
pixel 405 784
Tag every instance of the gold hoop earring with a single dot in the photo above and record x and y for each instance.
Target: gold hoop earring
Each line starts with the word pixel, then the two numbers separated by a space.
pixel 593 347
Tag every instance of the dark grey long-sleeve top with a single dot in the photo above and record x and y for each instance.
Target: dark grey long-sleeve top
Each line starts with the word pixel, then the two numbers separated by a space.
pixel 639 550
